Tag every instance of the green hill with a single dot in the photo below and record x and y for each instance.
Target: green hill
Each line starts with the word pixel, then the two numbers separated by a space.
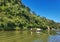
pixel 15 15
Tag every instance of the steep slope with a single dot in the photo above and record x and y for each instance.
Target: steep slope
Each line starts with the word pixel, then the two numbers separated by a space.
pixel 14 15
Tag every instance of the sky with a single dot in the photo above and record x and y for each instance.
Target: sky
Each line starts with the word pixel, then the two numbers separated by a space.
pixel 46 8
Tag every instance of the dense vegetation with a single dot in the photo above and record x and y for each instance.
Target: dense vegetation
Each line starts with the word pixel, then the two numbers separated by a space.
pixel 15 15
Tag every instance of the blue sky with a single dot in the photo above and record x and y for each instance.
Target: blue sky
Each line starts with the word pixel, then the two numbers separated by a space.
pixel 47 8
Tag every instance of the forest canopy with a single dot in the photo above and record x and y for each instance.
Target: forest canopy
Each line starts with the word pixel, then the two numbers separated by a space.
pixel 15 15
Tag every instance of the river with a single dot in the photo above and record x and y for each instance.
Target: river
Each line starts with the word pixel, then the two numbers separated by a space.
pixel 29 36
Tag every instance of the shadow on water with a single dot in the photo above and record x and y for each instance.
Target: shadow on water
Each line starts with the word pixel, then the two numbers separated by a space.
pixel 29 36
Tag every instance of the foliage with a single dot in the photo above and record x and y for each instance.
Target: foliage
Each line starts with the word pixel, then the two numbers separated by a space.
pixel 15 14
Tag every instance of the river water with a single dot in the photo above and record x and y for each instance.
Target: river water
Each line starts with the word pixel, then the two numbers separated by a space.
pixel 29 36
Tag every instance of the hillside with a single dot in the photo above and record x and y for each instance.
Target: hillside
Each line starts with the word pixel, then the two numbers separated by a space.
pixel 15 15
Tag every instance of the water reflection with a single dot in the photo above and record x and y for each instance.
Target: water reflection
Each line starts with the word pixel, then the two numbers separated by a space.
pixel 55 38
pixel 29 36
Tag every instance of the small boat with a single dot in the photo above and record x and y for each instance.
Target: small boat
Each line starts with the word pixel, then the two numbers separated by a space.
pixel 38 29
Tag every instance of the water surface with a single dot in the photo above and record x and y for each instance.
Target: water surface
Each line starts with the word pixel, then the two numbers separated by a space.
pixel 29 36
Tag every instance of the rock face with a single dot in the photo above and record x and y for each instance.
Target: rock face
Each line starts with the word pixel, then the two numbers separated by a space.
pixel 14 14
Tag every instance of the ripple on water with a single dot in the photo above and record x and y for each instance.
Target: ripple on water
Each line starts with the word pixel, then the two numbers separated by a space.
pixel 55 38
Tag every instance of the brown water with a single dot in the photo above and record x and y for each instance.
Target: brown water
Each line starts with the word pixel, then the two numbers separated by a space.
pixel 29 36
